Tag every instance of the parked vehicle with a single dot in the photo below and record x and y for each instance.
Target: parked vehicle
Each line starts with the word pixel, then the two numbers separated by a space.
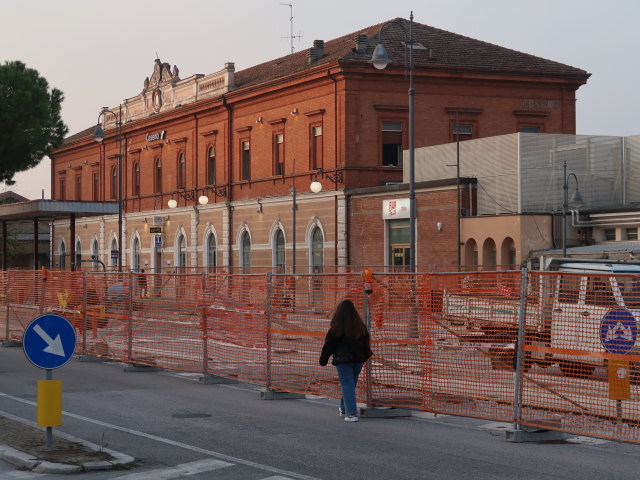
pixel 574 316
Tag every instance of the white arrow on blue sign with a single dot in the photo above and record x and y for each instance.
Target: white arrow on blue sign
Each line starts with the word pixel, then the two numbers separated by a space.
pixel 49 341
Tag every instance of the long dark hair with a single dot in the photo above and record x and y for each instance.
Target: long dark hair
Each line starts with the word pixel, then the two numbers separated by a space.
pixel 347 321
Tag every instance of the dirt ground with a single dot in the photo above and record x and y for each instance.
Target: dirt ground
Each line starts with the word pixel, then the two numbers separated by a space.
pixel 33 441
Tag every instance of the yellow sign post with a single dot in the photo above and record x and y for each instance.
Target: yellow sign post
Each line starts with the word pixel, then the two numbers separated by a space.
pixel 49 403
pixel 619 380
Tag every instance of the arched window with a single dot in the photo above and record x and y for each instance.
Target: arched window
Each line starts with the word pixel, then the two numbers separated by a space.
pixel 279 258
pixel 114 183
pixel 245 250
pixel 63 255
pixel 211 166
pixel 317 250
pixel 158 175
pixel 136 254
pixel 182 252
pixel 182 171
pixel 94 254
pixel 136 179
pixel 212 261
pixel 114 248
pixel 78 254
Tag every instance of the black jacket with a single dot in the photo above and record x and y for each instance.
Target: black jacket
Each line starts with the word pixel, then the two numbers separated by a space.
pixel 345 350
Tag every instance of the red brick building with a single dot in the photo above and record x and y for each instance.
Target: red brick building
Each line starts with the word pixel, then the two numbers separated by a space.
pixel 244 139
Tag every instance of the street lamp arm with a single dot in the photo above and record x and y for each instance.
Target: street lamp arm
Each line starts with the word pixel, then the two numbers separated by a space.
pixel 380 58
pixel 574 177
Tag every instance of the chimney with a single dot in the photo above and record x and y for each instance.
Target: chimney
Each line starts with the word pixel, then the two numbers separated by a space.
pixel 230 77
pixel 319 46
pixel 361 43
pixel 311 55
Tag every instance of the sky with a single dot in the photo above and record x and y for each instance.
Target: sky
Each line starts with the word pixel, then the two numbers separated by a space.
pixel 99 52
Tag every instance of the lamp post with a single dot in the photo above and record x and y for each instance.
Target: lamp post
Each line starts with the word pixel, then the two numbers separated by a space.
pixel 576 200
pixel 98 136
pixel 380 60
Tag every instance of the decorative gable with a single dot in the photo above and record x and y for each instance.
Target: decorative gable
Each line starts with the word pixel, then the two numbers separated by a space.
pixel 164 90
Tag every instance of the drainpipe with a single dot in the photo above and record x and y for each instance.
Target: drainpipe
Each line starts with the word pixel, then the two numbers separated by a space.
pixel 229 178
pixel 335 149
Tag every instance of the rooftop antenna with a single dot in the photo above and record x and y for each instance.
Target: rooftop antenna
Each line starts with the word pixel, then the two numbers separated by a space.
pixel 291 36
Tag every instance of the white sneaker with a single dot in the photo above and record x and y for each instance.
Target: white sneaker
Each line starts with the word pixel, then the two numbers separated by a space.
pixel 350 418
pixel 340 412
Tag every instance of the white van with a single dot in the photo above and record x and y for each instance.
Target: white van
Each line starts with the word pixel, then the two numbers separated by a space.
pixel 596 310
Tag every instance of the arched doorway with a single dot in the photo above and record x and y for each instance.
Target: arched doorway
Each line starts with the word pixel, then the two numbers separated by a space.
pixel 489 254
pixel 471 252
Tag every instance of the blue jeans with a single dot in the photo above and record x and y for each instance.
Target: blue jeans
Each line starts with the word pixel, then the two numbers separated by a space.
pixel 348 374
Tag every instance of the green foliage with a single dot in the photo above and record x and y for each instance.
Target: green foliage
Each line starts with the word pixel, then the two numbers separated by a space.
pixel 30 123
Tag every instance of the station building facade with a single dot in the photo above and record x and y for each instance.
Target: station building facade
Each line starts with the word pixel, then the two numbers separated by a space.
pixel 213 165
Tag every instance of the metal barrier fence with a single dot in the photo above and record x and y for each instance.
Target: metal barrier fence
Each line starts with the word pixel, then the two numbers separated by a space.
pixel 543 349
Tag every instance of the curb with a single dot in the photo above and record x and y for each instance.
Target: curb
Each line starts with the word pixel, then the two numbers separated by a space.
pixel 28 462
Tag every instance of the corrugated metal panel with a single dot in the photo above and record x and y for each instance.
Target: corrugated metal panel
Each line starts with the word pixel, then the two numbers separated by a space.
pixel 493 161
pixel 596 163
pixel 607 170
pixel 632 154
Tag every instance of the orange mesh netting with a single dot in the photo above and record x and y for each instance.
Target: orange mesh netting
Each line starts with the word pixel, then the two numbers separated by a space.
pixel 442 342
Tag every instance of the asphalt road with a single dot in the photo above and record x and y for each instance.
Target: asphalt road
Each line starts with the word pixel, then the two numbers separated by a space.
pixel 177 428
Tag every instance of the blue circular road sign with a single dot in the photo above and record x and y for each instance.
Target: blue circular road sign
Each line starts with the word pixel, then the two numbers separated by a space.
pixel 618 331
pixel 49 341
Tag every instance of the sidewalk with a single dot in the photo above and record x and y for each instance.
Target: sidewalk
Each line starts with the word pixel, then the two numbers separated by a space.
pixel 23 444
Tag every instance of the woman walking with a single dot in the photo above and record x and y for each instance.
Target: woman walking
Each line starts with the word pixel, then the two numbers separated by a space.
pixel 348 341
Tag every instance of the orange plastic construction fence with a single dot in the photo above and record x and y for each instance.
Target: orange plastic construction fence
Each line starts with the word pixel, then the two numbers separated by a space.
pixel 545 349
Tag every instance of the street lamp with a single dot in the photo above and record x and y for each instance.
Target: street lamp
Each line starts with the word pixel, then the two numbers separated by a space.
pixel 576 200
pixel 98 136
pixel 380 60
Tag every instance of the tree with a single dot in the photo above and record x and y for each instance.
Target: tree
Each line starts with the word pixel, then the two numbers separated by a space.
pixel 30 123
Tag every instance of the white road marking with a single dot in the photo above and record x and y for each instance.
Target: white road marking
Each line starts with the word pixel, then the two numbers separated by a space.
pixel 178 471
pixel 138 433
pixel 586 440
pixel 21 475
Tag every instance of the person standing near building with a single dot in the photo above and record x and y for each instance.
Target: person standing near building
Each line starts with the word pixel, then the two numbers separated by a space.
pixel 348 341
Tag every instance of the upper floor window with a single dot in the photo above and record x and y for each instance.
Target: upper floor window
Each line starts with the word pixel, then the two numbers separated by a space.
pixel 158 175
pixel 63 191
pixel 96 186
pixel 78 187
pixel 462 132
pixel 136 179
pixel 391 144
pixel 530 129
pixel 211 166
pixel 114 183
pixel 246 160
pixel 278 154
pixel 632 233
pixel 316 147
pixel 182 171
